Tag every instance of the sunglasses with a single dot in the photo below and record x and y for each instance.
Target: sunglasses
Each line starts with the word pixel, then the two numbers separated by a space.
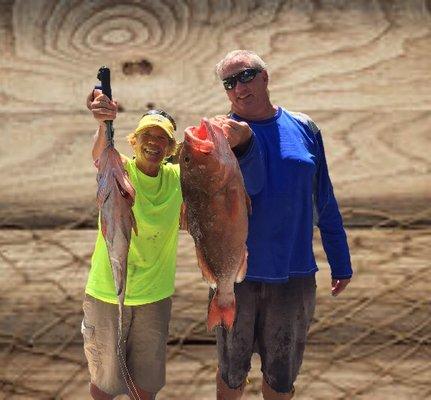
pixel 244 76
pixel 163 114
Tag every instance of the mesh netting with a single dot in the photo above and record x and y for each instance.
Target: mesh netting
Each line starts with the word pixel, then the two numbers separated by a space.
pixel 371 341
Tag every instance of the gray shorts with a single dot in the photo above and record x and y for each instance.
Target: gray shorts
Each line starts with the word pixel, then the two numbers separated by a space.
pixel 145 334
pixel 272 319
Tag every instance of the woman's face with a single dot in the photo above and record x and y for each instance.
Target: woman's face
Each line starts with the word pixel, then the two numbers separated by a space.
pixel 152 145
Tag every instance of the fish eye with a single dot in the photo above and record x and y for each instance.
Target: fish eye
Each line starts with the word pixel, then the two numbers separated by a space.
pixel 186 159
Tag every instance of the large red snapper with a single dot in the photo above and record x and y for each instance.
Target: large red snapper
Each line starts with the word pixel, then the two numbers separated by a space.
pixel 215 210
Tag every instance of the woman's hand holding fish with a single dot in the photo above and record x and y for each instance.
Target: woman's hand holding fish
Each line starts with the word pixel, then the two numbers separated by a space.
pixel 101 106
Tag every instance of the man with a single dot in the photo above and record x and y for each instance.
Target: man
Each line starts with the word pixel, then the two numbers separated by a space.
pixel 282 159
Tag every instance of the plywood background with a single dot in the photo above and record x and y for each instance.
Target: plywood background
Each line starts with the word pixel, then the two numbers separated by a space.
pixel 360 69
pixel 372 342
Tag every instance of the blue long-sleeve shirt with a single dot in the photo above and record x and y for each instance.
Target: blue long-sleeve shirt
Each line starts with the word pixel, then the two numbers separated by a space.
pixel 286 176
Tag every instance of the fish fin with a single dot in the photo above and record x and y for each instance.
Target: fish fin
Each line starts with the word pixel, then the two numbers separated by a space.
pixel 103 226
pixel 121 175
pixel 125 186
pixel 118 278
pixel 103 191
pixel 120 291
pixel 120 288
pixel 134 226
pixel 248 203
pixel 206 272
pixel 124 160
pixel 217 315
pixel 243 268
pixel 183 217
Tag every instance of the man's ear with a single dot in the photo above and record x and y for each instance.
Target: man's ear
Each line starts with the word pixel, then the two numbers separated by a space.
pixel 265 76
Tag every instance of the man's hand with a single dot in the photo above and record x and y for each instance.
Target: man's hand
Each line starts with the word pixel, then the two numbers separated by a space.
pixel 238 134
pixel 338 285
pixel 101 106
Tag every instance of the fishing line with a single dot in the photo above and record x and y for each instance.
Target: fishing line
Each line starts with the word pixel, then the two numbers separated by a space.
pixel 122 362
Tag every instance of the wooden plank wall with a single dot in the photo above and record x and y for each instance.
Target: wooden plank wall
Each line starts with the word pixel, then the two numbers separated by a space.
pixel 361 69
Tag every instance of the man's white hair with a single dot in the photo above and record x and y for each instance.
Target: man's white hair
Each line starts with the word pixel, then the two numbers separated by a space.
pixel 246 55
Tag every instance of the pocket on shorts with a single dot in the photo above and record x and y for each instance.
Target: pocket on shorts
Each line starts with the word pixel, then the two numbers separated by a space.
pixel 90 347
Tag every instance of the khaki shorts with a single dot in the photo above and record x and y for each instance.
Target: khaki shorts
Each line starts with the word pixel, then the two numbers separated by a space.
pixel 145 335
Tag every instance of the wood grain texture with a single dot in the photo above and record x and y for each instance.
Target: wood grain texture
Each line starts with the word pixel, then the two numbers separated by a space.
pixel 388 374
pixel 43 275
pixel 371 342
pixel 360 69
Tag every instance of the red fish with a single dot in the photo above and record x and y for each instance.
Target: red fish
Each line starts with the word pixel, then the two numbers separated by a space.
pixel 215 210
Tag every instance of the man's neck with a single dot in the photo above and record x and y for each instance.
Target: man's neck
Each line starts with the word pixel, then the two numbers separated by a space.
pixel 266 113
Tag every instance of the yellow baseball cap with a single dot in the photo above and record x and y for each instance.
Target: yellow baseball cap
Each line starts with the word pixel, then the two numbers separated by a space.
pixel 147 121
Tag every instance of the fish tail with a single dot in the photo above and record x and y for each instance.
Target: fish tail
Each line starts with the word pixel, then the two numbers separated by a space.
pixel 223 315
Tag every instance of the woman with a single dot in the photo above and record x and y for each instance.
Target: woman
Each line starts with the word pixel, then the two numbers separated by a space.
pixel 150 267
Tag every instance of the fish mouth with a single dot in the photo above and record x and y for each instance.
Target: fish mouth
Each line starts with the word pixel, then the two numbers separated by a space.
pixel 200 138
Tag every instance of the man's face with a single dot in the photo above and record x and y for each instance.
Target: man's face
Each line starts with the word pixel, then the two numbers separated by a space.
pixel 249 97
